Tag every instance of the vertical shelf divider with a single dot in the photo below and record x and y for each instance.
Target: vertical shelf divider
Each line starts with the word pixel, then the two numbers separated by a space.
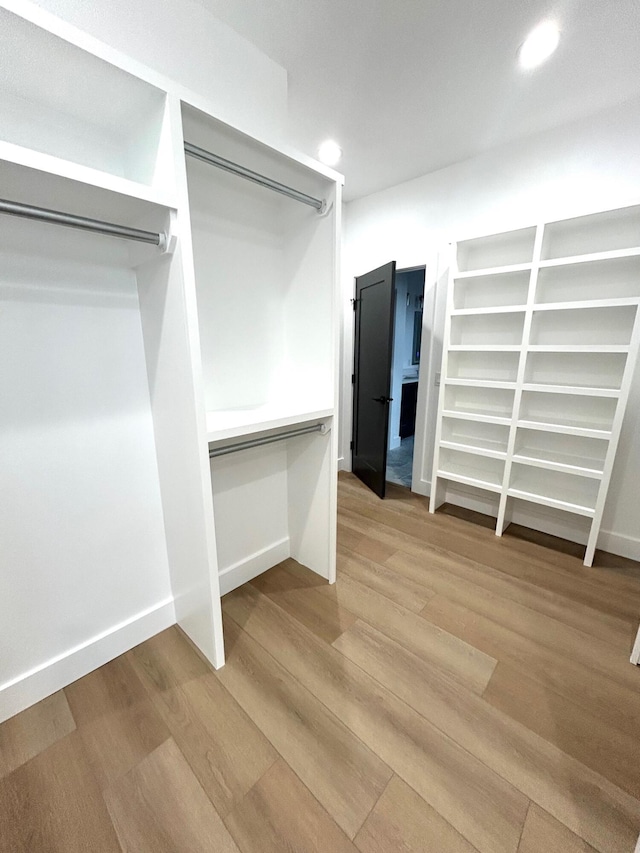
pixel 504 509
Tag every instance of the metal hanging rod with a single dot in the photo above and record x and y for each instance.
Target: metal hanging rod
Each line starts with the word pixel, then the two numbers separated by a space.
pixel 256 177
pixel 268 439
pixel 57 217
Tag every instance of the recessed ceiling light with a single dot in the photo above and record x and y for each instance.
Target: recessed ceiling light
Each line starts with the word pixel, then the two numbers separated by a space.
pixel 329 152
pixel 539 45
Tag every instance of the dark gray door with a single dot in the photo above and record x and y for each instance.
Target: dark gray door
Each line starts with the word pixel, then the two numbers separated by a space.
pixel 373 345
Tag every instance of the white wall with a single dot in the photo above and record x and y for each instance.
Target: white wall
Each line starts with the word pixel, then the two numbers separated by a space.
pixel 586 165
pixel 186 43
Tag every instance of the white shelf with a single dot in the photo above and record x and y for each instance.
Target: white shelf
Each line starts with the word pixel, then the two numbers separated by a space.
pixel 48 164
pixel 559 490
pixel 468 480
pixel 565 428
pixel 484 348
pixel 580 468
pixel 498 309
pixel 555 503
pixel 233 423
pixel 571 389
pixel 480 383
pixel 506 252
pixel 578 348
pixel 591 257
pixel 478 450
pixel 587 305
pixel 479 417
pixel 498 270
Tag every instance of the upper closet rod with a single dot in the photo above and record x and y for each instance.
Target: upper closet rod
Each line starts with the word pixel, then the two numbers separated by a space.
pixel 42 214
pixel 256 177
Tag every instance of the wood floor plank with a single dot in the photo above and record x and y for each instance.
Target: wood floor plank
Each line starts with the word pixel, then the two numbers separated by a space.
pixel 167 660
pixel 321 615
pixel 24 736
pixel 279 813
pixel 343 774
pixel 402 822
pixel 160 807
pixel 364 546
pixel 442 649
pixel 575 794
pixel 572 728
pixel 449 575
pixel 564 639
pixel 399 588
pixel 53 804
pixel 542 833
pixel 484 808
pixel 607 592
pixel 614 703
pixel 116 720
pixel 225 749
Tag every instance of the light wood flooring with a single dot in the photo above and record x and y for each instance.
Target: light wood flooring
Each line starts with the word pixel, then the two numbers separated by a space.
pixel 453 692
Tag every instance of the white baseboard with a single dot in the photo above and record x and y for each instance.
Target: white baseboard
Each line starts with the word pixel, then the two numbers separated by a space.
pixel 341 466
pixel 253 565
pixel 52 675
pixel 618 543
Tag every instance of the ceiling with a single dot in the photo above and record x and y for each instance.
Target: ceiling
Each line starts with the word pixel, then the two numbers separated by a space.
pixel 410 86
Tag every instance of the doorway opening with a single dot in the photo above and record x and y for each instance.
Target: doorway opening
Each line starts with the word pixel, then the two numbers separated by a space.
pixel 405 371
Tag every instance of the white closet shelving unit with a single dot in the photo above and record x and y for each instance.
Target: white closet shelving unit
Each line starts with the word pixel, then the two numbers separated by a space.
pixel 122 364
pixel 541 339
pixel 264 264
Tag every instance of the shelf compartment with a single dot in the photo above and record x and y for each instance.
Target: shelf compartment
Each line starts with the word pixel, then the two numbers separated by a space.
pixel 501 367
pixel 264 283
pixel 616 278
pixel 568 412
pixel 462 467
pixel 557 452
pixel 554 489
pixel 491 291
pixel 583 326
pixel 487 329
pixel 484 439
pixel 490 402
pixel 111 121
pixel 611 230
pixel 584 370
pixel 496 250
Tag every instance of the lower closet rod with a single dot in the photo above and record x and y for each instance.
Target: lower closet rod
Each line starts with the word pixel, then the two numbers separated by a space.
pixel 268 439
pixel 256 177
pixel 57 217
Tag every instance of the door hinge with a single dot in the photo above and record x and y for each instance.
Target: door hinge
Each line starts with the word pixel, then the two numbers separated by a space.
pixel 354 302
pixel 350 445
pixel 353 379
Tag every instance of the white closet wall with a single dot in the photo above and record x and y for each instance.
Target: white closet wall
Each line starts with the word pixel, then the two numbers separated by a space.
pixel 110 529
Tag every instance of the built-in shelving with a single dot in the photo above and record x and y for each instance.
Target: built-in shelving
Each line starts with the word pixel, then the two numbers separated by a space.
pixel 541 339
pixel 124 363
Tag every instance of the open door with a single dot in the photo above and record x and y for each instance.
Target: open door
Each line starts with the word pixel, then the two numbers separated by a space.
pixel 374 312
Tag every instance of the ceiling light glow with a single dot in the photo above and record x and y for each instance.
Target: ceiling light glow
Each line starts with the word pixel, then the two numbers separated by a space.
pixel 539 45
pixel 329 152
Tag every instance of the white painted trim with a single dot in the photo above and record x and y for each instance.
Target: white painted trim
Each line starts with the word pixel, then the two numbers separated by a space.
pixel 635 659
pixel 619 543
pixel 341 464
pixel 253 565
pixel 52 675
